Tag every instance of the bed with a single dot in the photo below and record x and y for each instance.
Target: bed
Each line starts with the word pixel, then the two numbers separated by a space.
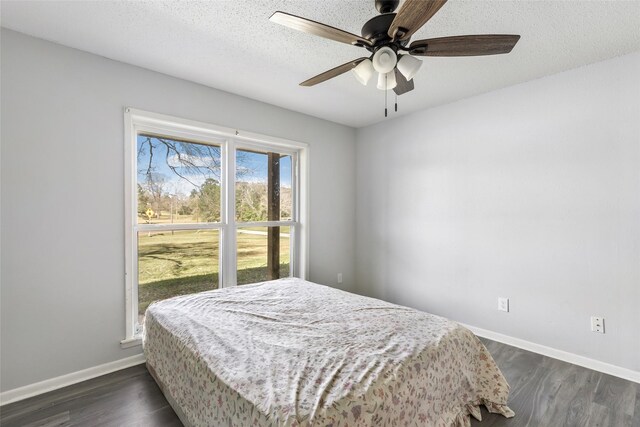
pixel 293 353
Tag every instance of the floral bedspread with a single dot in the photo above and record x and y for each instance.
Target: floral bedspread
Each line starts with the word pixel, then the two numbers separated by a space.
pixel 293 353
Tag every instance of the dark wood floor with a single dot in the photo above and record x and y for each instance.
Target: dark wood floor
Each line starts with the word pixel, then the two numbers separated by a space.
pixel 544 392
pixel 548 392
pixel 125 398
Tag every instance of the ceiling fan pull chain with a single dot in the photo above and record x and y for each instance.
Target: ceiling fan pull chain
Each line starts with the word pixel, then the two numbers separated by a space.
pixel 396 102
pixel 385 95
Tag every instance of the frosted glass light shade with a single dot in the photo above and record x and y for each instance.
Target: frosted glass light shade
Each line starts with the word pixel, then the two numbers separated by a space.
pixel 409 66
pixel 390 81
pixel 364 71
pixel 384 60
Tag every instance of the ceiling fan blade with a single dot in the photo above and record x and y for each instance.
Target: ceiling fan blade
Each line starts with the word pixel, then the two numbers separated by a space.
pixel 318 29
pixel 486 44
pixel 413 14
pixel 403 86
pixel 340 69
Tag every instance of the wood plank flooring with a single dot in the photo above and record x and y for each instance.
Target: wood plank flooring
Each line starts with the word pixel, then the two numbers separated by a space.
pixel 544 392
pixel 549 392
pixel 125 398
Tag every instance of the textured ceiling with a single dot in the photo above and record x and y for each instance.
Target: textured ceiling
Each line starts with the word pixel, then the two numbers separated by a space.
pixel 231 45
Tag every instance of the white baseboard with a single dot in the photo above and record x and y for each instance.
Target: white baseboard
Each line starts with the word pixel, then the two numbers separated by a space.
pixel 565 356
pixel 31 390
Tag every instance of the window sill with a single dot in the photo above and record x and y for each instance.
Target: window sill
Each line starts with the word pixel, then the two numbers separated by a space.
pixel 131 342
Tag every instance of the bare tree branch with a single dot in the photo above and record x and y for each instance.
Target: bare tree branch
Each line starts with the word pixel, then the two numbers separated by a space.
pixel 175 170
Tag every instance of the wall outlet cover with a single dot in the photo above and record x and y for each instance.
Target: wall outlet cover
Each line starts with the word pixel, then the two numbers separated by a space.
pixel 503 304
pixel 597 324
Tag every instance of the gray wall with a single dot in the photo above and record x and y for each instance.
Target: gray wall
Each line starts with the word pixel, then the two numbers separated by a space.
pixel 62 197
pixel 531 192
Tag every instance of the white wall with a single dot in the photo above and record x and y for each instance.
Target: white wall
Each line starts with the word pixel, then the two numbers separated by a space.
pixel 531 192
pixel 62 197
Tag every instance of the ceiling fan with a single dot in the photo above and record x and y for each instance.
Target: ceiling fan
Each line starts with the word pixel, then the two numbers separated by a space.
pixel 387 37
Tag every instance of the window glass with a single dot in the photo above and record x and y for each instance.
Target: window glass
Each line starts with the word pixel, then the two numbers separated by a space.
pixel 263 186
pixel 178 181
pixel 256 247
pixel 172 263
pixel 286 188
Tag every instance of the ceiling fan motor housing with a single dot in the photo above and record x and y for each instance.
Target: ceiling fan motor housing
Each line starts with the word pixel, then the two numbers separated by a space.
pixel 387 6
pixel 376 29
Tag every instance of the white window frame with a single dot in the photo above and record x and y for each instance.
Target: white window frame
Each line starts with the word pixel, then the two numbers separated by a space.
pixel 138 121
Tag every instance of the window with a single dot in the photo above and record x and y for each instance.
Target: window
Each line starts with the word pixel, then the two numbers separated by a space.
pixel 207 207
pixel 264 194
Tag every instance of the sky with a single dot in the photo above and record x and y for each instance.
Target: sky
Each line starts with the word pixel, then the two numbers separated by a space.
pixel 252 165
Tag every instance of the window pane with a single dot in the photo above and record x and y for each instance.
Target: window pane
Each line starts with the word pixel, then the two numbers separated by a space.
pixel 263 186
pixel 286 189
pixel 178 181
pixel 253 254
pixel 172 263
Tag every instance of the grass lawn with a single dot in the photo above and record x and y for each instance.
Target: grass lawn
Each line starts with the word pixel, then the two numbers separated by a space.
pixel 184 262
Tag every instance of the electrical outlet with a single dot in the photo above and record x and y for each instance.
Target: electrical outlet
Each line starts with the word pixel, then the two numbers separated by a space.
pixel 339 277
pixel 597 324
pixel 503 304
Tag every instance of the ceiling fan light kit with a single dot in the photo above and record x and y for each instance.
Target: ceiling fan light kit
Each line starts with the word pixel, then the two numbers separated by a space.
pixel 364 71
pixel 387 37
pixel 384 60
pixel 409 66
pixel 387 81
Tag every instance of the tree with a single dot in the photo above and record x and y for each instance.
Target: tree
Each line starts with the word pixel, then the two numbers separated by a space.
pixel 185 209
pixel 251 202
pixel 143 201
pixel 209 200
pixel 155 188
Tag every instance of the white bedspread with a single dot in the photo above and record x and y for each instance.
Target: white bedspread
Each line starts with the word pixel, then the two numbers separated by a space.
pixel 294 353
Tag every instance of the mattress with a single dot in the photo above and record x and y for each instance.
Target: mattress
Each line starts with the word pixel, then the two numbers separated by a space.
pixel 293 353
